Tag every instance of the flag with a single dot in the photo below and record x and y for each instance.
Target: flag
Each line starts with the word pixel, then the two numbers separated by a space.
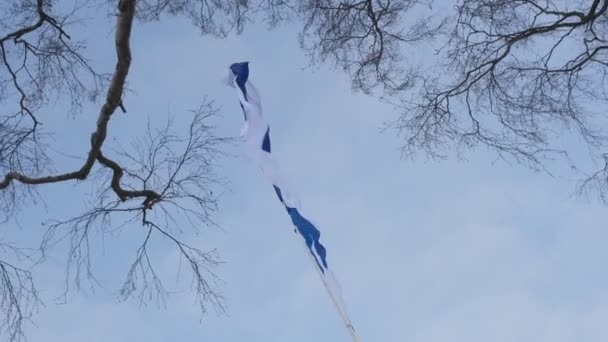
pixel 256 134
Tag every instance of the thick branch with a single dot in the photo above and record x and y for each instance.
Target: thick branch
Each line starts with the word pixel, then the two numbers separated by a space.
pixel 42 17
pixel 113 99
pixel 150 195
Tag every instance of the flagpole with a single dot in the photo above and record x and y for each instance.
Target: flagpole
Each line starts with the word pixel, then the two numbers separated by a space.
pixel 347 323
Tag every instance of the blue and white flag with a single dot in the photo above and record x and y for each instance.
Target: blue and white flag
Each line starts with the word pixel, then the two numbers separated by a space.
pixel 256 133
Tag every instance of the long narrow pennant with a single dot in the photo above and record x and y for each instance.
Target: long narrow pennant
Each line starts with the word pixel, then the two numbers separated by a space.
pixel 256 133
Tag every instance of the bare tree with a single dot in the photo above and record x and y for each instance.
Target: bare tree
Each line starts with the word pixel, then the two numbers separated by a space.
pixel 365 39
pixel 520 73
pixel 159 181
pixel 513 76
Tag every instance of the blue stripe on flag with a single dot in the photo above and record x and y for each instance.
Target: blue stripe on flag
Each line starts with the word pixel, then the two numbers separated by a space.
pixel 266 142
pixel 311 235
pixel 244 112
pixel 278 191
pixel 241 70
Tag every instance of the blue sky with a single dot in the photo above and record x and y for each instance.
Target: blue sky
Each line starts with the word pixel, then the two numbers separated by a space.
pixel 425 251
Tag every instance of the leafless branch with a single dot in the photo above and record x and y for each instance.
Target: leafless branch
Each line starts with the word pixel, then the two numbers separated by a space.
pixel 213 17
pixel 512 76
pixel 365 38
pixel 38 62
pixel 19 297
pixel 180 169
pixel 171 183
pixel 517 76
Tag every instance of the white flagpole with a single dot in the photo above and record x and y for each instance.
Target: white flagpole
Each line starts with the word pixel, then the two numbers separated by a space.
pixel 347 323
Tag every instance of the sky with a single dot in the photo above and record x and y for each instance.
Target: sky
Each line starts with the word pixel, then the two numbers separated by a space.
pixel 425 251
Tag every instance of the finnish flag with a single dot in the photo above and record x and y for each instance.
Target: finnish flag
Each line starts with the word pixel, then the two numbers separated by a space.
pixel 256 133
